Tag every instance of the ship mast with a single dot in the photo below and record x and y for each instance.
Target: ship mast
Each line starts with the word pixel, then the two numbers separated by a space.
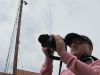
pixel 17 37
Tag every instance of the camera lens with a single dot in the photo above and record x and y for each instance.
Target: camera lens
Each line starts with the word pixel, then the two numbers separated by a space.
pixel 47 41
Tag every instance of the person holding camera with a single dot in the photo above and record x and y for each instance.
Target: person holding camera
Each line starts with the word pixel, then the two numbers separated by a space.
pixel 78 62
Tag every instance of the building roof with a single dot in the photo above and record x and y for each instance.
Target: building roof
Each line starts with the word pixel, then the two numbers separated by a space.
pixel 21 72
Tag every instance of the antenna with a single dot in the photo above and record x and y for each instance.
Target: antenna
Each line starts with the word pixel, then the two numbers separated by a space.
pixel 50 16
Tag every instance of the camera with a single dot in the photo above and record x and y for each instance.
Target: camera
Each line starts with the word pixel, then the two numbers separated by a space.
pixel 47 41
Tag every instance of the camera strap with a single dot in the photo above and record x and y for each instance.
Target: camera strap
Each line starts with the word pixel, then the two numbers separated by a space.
pixel 53 57
pixel 56 58
pixel 85 58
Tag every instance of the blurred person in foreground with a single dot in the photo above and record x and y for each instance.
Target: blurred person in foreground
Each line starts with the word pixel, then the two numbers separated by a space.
pixel 78 62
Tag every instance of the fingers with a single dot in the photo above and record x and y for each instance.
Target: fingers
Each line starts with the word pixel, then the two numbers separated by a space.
pixel 45 51
pixel 60 45
pixel 58 39
pixel 45 48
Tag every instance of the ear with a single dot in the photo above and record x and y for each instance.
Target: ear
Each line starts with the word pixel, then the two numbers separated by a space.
pixel 90 49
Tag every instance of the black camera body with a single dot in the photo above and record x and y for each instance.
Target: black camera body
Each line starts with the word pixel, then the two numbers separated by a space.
pixel 47 41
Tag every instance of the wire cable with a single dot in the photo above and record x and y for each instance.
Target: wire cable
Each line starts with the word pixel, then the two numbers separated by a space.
pixel 7 12
pixel 50 16
pixel 6 69
pixel 20 59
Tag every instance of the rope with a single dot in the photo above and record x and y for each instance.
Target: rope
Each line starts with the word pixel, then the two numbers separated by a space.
pixel 6 69
pixel 7 12
pixel 20 59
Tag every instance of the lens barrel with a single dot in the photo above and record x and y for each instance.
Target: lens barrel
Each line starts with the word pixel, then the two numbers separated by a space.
pixel 47 41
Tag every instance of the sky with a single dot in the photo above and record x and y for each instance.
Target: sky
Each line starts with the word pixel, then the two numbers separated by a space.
pixel 58 17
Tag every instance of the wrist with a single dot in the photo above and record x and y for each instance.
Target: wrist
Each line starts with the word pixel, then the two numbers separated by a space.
pixel 61 53
pixel 48 61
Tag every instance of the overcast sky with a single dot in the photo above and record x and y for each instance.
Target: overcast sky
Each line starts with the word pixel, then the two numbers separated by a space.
pixel 79 16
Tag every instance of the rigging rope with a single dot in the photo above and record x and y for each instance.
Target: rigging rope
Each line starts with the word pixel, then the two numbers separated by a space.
pixel 12 43
pixel 7 12
pixel 20 60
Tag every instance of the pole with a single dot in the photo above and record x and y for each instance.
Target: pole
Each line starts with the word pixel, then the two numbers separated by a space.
pixel 17 41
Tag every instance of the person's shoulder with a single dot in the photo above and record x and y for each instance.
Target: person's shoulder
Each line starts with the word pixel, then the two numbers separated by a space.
pixel 97 62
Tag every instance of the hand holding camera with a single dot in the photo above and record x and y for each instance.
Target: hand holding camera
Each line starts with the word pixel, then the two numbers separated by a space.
pixel 45 50
pixel 52 43
pixel 60 45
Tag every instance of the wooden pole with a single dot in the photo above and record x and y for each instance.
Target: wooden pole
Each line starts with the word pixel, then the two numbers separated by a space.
pixel 17 40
